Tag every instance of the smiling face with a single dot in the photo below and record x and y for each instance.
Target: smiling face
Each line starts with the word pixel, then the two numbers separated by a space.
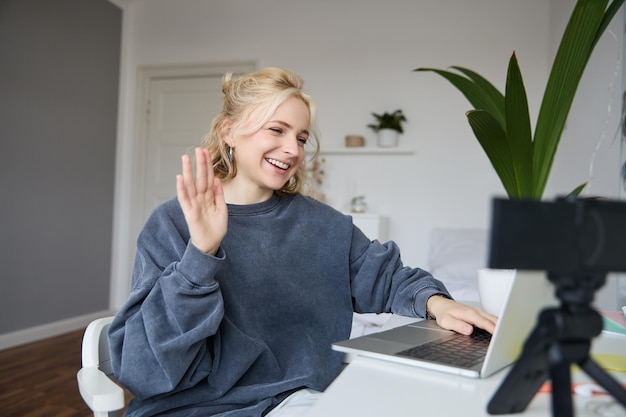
pixel 267 158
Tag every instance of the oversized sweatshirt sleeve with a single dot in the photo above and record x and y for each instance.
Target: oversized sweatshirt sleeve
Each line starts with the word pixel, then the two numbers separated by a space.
pixel 161 338
pixel 381 283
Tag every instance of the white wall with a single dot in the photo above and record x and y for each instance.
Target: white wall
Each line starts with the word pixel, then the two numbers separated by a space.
pixel 357 57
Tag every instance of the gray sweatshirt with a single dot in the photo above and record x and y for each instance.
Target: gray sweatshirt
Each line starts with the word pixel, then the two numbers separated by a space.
pixel 234 334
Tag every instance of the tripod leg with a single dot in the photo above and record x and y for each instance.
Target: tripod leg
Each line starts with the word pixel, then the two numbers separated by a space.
pixel 605 380
pixel 517 389
pixel 525 378
pixel 561 387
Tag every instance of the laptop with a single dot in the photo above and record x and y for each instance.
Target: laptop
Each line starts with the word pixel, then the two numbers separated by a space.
pixel 530 293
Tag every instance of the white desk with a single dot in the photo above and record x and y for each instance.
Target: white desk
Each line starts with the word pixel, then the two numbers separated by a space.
pixel 375 388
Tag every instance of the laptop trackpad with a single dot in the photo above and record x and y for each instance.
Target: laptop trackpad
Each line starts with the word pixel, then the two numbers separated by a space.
pixel 411 335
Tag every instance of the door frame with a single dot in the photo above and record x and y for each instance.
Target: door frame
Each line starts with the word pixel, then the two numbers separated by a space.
pixel 130 218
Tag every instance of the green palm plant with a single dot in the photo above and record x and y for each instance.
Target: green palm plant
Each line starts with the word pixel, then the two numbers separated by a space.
pixel 501 123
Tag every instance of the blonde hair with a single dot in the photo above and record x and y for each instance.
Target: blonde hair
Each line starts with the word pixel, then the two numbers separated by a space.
pixel 262 91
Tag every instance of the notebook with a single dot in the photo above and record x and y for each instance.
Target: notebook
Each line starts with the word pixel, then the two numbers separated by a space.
pixel 530 293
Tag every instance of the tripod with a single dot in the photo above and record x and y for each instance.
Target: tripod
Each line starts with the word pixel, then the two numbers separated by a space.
pixel 561 338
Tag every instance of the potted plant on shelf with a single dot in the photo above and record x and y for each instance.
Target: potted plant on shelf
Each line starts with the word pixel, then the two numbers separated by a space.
pixel 388 127
pixel 501 122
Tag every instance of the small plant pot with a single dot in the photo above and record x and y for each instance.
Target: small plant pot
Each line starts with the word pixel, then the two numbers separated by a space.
pixel 388 138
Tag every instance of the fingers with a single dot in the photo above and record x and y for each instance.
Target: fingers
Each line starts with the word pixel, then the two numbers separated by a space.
pixel 459 326
pixel 484 320
pixel 203 173
pixel 189 186
pixel 202 201
pixel 180 189
pixel 182 181
pixel 462 319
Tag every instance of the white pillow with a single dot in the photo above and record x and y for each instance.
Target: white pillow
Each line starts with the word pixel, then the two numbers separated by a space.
pixel 455 256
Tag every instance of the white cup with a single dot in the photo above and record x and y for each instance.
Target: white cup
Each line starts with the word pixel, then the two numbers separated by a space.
pixel 493 288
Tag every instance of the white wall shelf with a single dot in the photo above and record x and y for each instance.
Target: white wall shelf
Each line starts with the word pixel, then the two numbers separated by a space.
pixel 367 150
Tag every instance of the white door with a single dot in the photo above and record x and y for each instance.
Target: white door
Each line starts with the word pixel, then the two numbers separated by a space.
pixel 180 103
pixel 175 107
pixel 180 111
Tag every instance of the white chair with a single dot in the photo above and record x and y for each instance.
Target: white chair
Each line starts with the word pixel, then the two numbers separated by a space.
pixel 96 382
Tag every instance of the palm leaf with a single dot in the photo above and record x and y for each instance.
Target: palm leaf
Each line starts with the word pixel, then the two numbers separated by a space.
pixel 608 16
pixel 496 102
pixel 567 70
pixel 519 132
pixel 502 124
pixel 492 138
pixel 480 94
pixel 576 191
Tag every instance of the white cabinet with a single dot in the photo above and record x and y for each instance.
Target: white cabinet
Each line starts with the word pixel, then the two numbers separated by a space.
pixel 372 224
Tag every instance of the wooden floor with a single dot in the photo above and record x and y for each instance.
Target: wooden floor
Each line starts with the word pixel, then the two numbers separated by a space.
pixel 39 379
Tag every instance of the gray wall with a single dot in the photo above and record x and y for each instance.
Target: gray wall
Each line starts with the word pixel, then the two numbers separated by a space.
pixel 59 70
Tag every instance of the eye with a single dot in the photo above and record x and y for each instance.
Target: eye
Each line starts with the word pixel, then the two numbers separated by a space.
pixel 276 130
pixel 303 139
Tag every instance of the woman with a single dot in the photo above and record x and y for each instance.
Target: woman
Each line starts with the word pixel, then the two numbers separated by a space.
pixel 242 284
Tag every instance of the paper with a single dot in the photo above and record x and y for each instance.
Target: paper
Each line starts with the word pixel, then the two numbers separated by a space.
pixel 613 321
pixel 610 361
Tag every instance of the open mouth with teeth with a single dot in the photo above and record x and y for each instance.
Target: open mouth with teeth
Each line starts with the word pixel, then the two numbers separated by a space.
pixel 278 164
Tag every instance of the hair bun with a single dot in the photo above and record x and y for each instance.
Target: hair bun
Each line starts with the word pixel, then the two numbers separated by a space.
pixel 227 82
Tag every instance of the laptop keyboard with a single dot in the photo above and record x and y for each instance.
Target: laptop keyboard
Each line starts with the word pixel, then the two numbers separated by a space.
pixel 456 349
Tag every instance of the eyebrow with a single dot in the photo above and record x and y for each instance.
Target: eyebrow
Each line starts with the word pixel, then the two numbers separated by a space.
pixel 287 125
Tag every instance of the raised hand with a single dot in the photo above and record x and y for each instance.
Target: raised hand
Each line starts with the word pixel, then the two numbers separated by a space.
pixel 202 201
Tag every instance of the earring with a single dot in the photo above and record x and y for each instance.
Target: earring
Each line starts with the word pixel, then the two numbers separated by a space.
pixel 230 154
